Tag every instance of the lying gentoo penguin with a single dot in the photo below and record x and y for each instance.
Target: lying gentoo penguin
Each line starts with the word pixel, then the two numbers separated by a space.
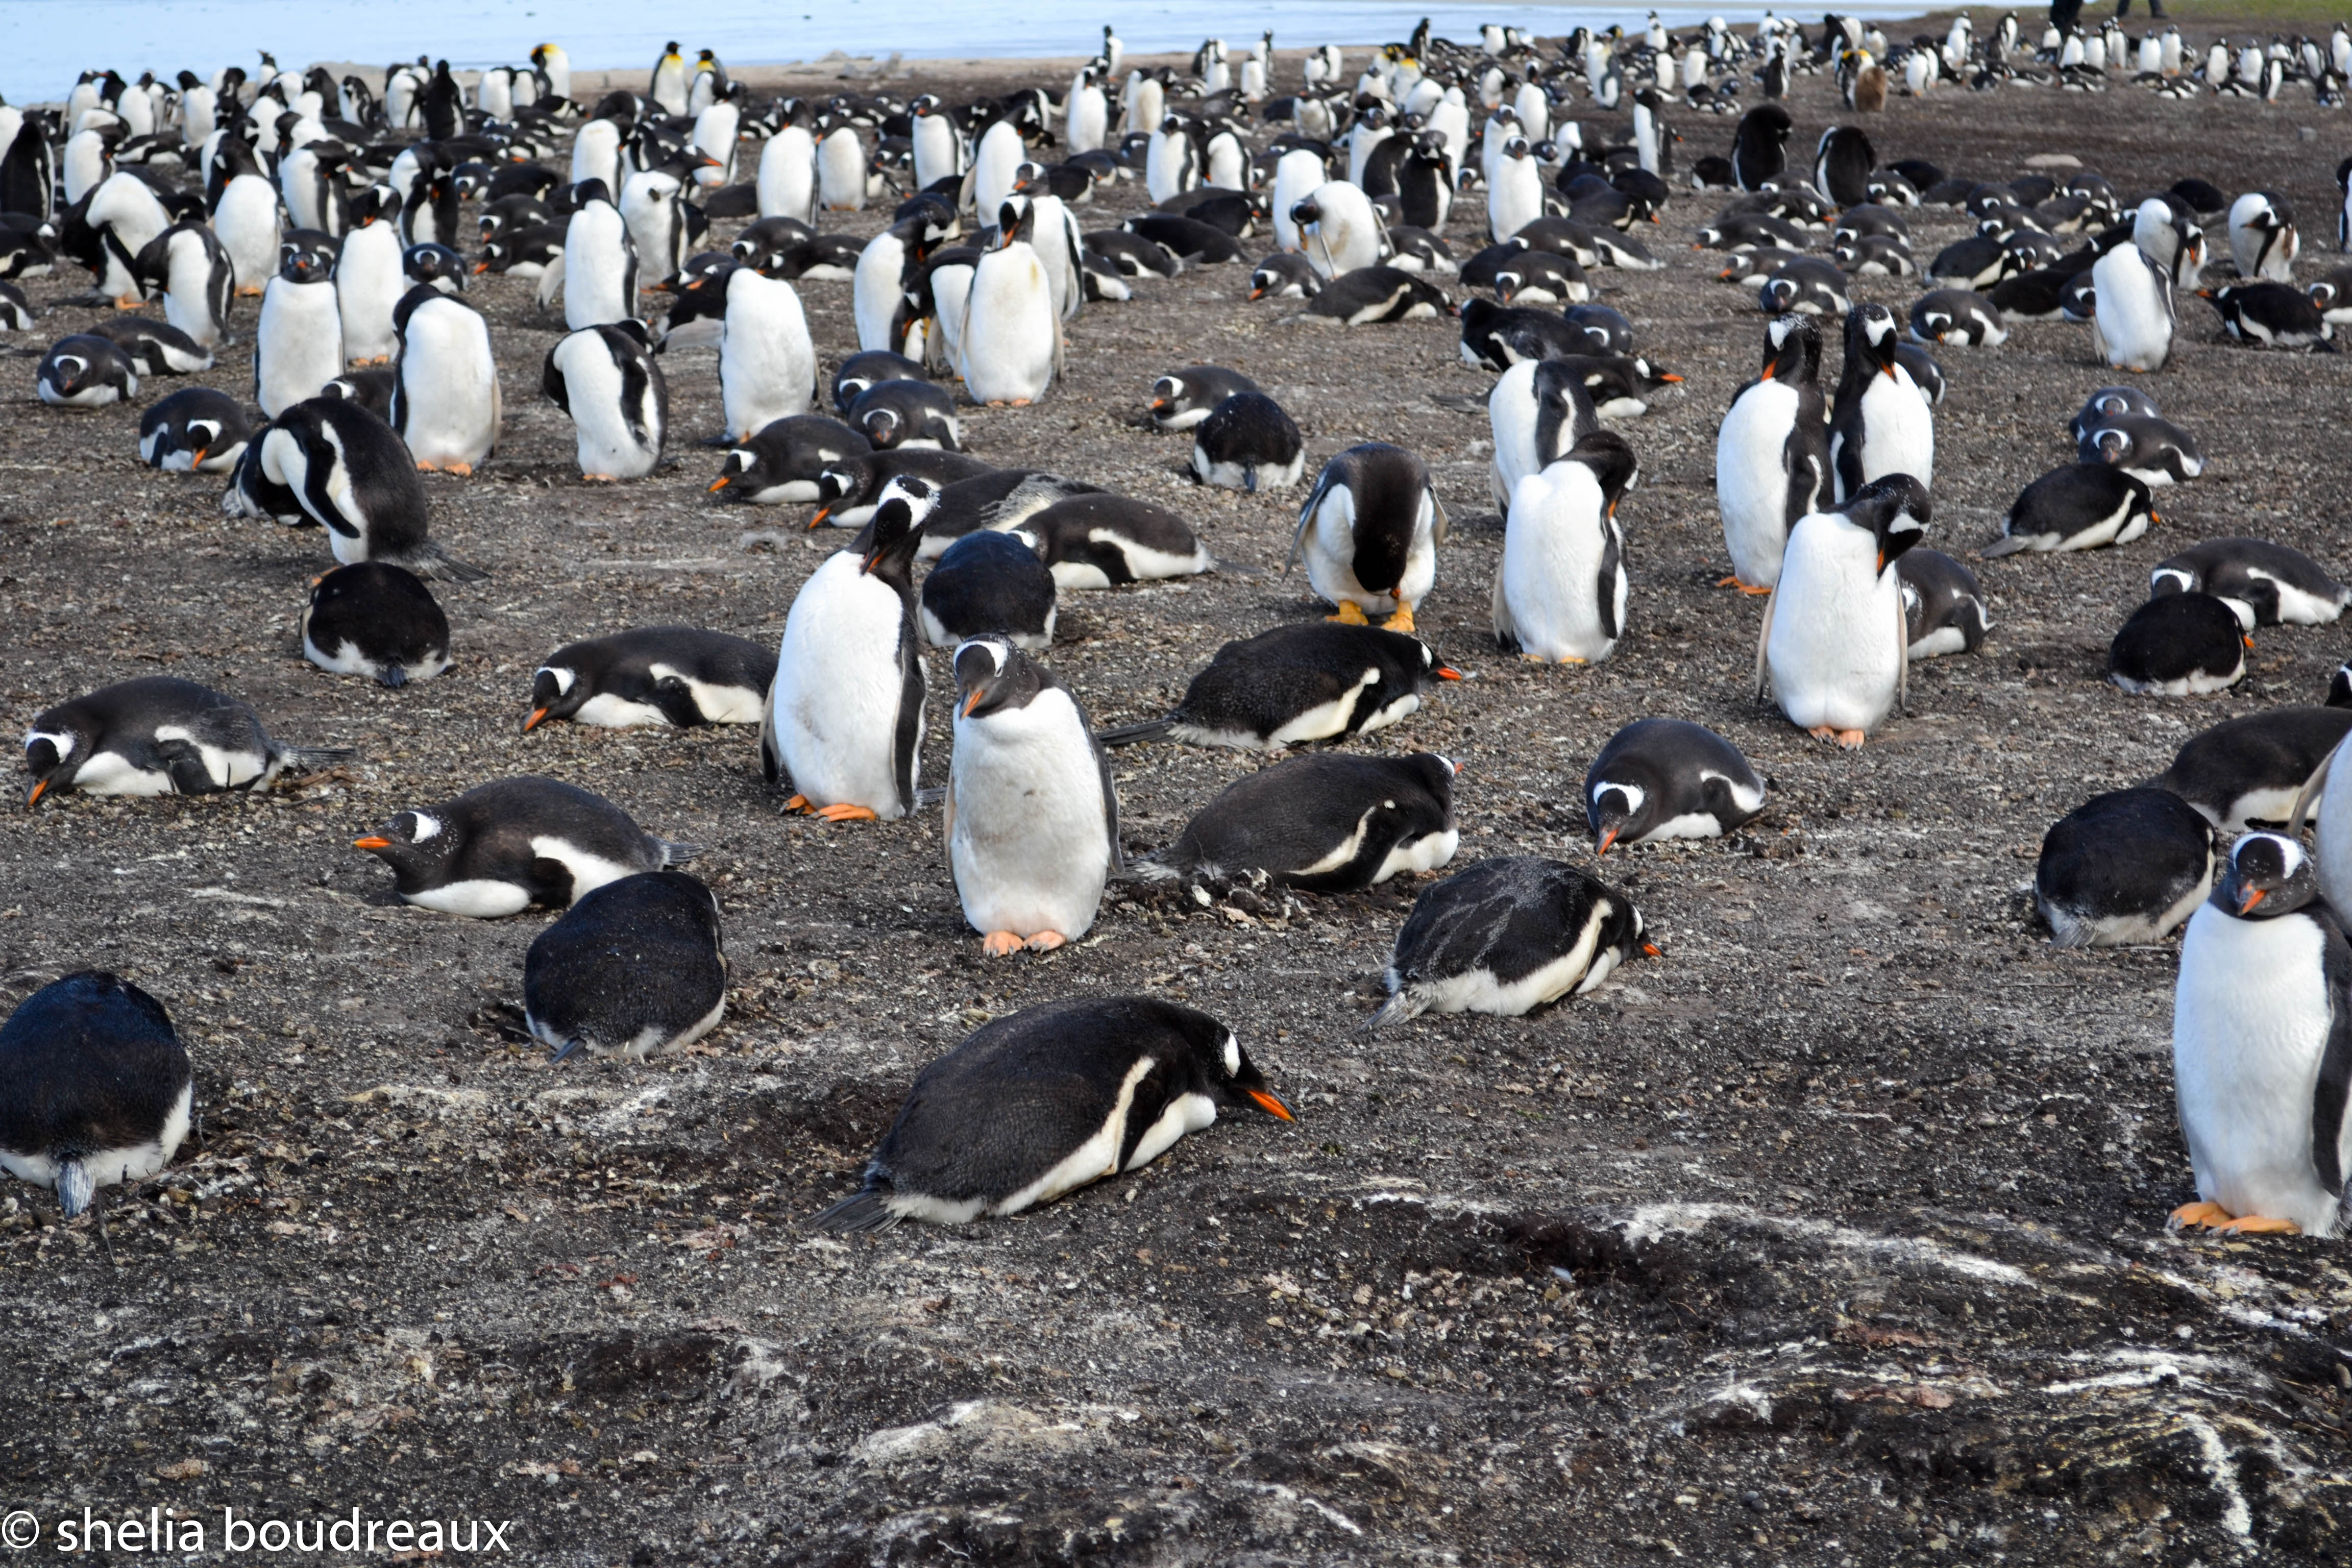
pixel 2261 1029
pixel 298 343
pixel 86 371
pixel 155 348
pixel 870 368
pixel 681 676
pixel 2132 319
pixel 502 847
pixel 906 414
pixel 354 476
pixel 2151 450
pixel 845 718
pixel 633 967
pixel 2250 772
pixel 607 378
pixel 1032 819
pixel 1285 274
pixel 1322 823
pixel 1804 286
pixel 2269 315
pixel 375 619
pixel 193 430
pixel 1668 778
pixel 784 461
pixel 849 491
pixel 1095 540
pixel 1507 936
pixel 2105 405
pixel 95 1088
pixel 159 736
pixel 2079 506
pixel 989 581
pixel 1312 681
pixel 2268 584
pixel 1370 531
pixel 1539 409
pixel 1771 453
pixel 1944 610
pixel 1248 443
pixel 1182 398
pixel 2181 645
pixel 1371 295
pixel 1834 637
pixel 1560 587
pixel 1034 1106
pixel 1882 424
pixel 1957 316
pixel 2123 869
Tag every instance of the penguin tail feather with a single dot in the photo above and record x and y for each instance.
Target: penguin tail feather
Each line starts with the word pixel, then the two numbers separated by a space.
pixel 861 1211
pixel 677 854
pixel 429 560
pixel 1155 871
pixel 2007 544
pixel 316 758
pixel 1128 734
pixel 1402 1007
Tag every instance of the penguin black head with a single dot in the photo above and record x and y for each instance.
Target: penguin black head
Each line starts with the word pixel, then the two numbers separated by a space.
pixel 1871 332
pixel 897 526
pixel 1516 147
pixel 992 674
pixel 1610 458
pixel 307 256
pixel 1305 211
pixel 588 190
pixel 2269 875
pixel 1895 509
pixel 1792 349
pixel 412 843
pixel 1016 220
pixel 377 204
pixel 56 752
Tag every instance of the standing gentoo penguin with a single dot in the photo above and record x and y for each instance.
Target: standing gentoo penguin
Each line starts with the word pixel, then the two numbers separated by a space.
pixel 2263 241
pixel 298 345
pixel 1507 936
pixel 1249 443
pixel 1842 159
pixel 767 364
pixel 1882 425
pixel 2132 319
pixel 1560 587
pixel 845 718
pixel 2268 584
pixel 1323 822
pixel 1032 1107
pixel 95 1088
pixel 600 260
pixel 1944 609
pixel 1313 681
pixel 1032 823
pixel 1010 347
pixel 193 430
pixel 1539 409
pixel 1339 229
pixel 2181 645
pixel 2123 869
pixel 2080 506
pixel 1771 453
pixel 633 967
pixel 86 371
pixel 989 581
pixel 353 474
pixel 375 619
pixel 245 215
pixel 1759 147
pixel 368 281
pixel 187 266
pixel 445 399
pixel 158 735
pixel 1369 532
pixel 2262 1046
pixel 1834 639
pixel 680 676
pixel 607 378
pixel 1668 778
pixel 502 847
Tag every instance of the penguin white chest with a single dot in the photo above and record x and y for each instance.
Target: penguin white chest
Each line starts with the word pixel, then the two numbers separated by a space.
pixel 1752 479
pixel 841 171
pixel 1560 592
pixel 600 268
pixel 767 366
pixel 835 706
pixel 2332 833
pixel 1837 639
pixel 368 284
pixel 1900 429
pixel 1030 848
pixel 247 224
pixel 298 345
pixel 875 295
pixel 2250 1025
pixel 1010 333
pixel 449 385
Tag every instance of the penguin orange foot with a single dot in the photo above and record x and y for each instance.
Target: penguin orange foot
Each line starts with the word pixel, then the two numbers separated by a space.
pixel 2196 1213
pixel 1849 740
pixel 462 470
pixel 1732 581
pixel 1350 615
pixel 1047 941
pixel 845 812
pixel 999 944
pixel 1400 622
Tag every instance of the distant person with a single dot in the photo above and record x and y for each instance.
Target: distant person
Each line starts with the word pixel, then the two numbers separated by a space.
pixel 2067 15
pixel 2154 10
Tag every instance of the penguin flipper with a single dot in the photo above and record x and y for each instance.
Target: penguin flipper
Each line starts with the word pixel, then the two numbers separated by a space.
pixel 1306 519
pixel 1507 635
pixel 1764 641
pixel 2310 791
pixel 1903 656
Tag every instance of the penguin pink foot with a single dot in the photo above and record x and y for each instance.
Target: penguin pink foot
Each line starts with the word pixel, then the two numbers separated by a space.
pixel 1047 941
pixel 999 944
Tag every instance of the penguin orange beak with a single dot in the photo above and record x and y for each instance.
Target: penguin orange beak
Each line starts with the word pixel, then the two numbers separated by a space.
pixel 1268 1104
pixel 821 513
pixel 480 268
pixel 1669 377
pixel 532 723
pixel 2257 896
pixel 373 841
pixel 2250 642
pixel 1766 375
pixel 971 702
pixel 1652 949
pixel 1608 837
pixel 33 795
pixel 1444 673
pixel 198 460
pixel 717 484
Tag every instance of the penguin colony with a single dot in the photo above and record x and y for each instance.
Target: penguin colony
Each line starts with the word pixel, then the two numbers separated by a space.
pixel 339 215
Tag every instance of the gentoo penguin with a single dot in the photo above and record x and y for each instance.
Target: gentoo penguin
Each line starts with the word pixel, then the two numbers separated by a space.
pixel 849 490
pixel 1286 276
pixel 378 620
pixel 2262 1046
pixel 1944 610
pixel 193 430
pixel 2148 448
pixel 786 184
pixel 1249 443
pixel 844 717
pixel 1957 316
pixel 502 847
pixel 653 203
pixel 2262 240
pixel 1371 294
pixel 2077 506
pixel 1010 350
pixel 1834 639
pixel 445 401
pixel 1034 1106
pixel 1339 229
pixel 891 413
pixel 158 735
pixel 2121 870
pixel 938 143
pixel 1096 540
pixel 369 280
pixel 1182 398
pixel 1370 531
pixel 1541 277
pixel 1759 147
pixel 997 163
pixel 1538 410
pixel 2332 295
pixel 607 378
pixel 1560 587
pixel 767 363
pixel 351 474
pixel 1322 823
pixel 600 260
pixel 107 229
pixel 1032 819
pixel 154 348
pixel 1296 684
pixel 2132 321
pixel 985 583
pixel 16 314
pixel 2269 315
pixel 298 345
pixel 1882 424
pixel 1771 453
pixel 1805 286
pixel 1506 936
pixel 187 266
pixel 841 169
pixel 784 461
pixel 1842 161
pixel 95 1088
pixel 2267 584
pixel 636 967
pixel 680 676
pixel 868 368
pixel 2249 772
pixel 86 371
pixel 1515 192
pixel 2181 645
pixel 2107 403
pixel 1668 778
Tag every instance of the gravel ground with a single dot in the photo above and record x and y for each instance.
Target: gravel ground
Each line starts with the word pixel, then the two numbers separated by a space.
pixel 1836 1235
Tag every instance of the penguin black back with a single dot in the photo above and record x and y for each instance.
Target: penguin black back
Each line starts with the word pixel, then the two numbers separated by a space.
pixel 1324 823
pixel 1312 681
pixel 95 1086
pixel 633 967
pixel 375 619
pixel 2179 645
pixel 2122 867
